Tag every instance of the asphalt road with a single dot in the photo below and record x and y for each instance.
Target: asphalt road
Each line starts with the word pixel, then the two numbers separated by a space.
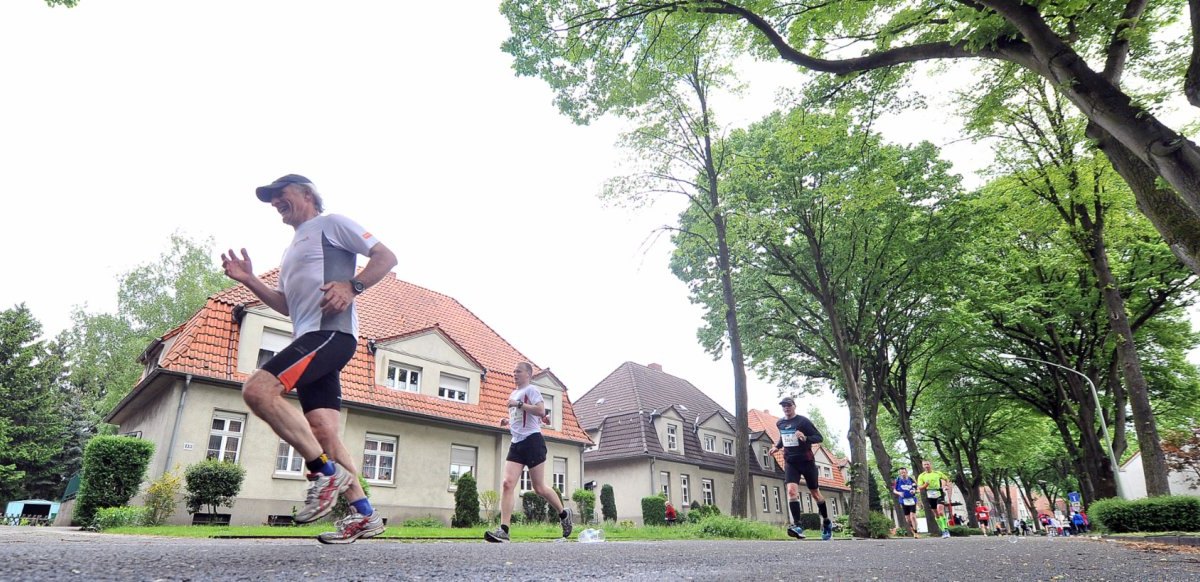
pixel 28 553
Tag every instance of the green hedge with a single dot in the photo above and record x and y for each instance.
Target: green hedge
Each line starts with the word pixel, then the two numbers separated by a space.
pixel 211 484
pixel 962 531
pixel 1169 513
pixel 466 502
pixel 113 468
pixel 810 521
pixel 586 500
pixel 654 510
pixel 608 503
pixel 879 526
pixel 534 507
pixel 110 517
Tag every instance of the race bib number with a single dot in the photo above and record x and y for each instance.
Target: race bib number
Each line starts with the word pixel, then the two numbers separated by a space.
pixel 790 439
pixel 909 501
pixel 933 493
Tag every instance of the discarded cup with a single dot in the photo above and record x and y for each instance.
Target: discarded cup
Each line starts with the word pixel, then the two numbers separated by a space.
pixel 591 535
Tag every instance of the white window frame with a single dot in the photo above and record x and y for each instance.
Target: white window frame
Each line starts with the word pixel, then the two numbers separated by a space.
pixel 225 433
pixel 710 497
pixel 710 443
pixel 672 437
pixel 762 489
pixel 460 452
pixel 778 501
pixel 290 458
pixel 664 484
pixel 453 393
pixel 685 489
pixel 525 484
pixel 727 445
pixel 271 342
pixel 834 505
pixel 371 471
pixel 827 471
pixel 557 478
pixel 766 459
pixel 410 384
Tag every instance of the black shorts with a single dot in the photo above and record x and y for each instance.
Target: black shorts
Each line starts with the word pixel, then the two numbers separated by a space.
pixel 793 470
pixel 312 365
pixel 530 452
pixel 909 509
pixel 933 503
pixel 982 522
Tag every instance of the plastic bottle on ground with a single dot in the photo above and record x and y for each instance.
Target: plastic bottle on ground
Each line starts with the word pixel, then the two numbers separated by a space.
pixel 591 535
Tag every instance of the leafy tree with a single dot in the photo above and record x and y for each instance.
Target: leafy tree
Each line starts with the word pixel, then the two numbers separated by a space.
pixel 1182 448
pixel 605 56
pixel 212 483
pixel 466 502
pixel 832 442
pixel 161 496
pixel 32 429
pixel 488 501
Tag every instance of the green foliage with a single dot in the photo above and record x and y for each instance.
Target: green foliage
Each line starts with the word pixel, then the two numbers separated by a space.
pixel 534 507
pixel 1167 513
pixel 724 526
pixel 697 514
pixel 111 517
pixel 489 502
pixel 962 531
pixel 654 510
pixel 608 503
pixel 212 484
pixel 342 507
pixel 466 502
pixel 113 468
pixel 161 496
pixel 813 520
pixel 427 521
pixel 879 526
pixel 586 502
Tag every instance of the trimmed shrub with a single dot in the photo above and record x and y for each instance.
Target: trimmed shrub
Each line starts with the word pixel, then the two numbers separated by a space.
pixel 342 507
pixel 608 503
pixel 466 502
pixel 534 506
pixel 695 504
pixel 962 531
pixel 213 483
pixel 110 517
pixel 699 512
pixel 723 526
pixel 161 497
pixel 113 468
pixel 810 521
pixel 586 502
pixel 1167 513
pixel 654 510
pixel 879 526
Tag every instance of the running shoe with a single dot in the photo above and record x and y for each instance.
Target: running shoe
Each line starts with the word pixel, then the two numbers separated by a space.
pixel 497 536
pixel 352 527
pixel 827 530
pixel 566 523
pixel 796 532
pixel 946 534
pixel 323 491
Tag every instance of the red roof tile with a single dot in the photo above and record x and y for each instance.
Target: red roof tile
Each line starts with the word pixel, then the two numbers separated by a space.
pixel 207 346
pixel 765 421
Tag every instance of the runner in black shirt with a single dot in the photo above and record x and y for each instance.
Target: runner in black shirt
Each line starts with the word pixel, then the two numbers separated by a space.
pixel 796 437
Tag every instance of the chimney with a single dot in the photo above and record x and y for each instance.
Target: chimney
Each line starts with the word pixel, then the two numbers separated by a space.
pixel 657 367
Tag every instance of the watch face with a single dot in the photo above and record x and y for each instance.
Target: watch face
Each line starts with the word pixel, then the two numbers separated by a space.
pixel 358 286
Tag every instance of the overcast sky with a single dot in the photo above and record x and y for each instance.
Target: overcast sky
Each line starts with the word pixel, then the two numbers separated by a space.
pixel 122 122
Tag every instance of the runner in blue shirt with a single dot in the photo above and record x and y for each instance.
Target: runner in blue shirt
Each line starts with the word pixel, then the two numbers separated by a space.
pixel 905 489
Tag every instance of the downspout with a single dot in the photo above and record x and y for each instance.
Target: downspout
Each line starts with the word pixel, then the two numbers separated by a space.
pixel 653 489
pixel 187 381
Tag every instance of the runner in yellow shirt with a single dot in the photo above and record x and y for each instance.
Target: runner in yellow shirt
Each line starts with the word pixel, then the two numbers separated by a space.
pixel 935 487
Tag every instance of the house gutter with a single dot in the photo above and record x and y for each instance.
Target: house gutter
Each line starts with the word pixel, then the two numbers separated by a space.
pixel 187 381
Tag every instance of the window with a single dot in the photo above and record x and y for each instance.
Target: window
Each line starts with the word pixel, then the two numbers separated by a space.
pixel 548 402
pixel 710 443
pixel 728 447
pixel 453 388
pixel 833 507
pixel 762 489
pixel 707 486
pixel 379 458
pixel 778 502
pixel 766 458
pixel 684 489
pixel 672 437
pixel 525 484
pixel 664 484
pixel 225 437
pixel 560 475
pixel 827 471
pixel 401 377
pixel 808 500
pixel 288 460
pixel 462 461
pixel 273 342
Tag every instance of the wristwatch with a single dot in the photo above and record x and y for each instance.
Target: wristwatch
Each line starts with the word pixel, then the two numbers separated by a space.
pixel 357 286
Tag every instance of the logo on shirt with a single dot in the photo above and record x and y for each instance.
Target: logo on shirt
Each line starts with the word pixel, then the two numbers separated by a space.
pixel 366 235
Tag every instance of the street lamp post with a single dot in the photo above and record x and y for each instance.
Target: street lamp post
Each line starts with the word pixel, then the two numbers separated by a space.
pixel 1112 458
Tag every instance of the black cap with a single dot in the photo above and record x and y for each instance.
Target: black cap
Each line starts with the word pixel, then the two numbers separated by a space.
pixel 787 400
pixel 265 193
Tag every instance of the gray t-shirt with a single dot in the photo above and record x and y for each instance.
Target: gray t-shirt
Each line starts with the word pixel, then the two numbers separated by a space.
pixel 521 423
pixel 324 249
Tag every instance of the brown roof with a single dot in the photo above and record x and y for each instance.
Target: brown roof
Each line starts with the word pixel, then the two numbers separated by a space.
pixel 207 345
pixel 763 420
pixel 624 404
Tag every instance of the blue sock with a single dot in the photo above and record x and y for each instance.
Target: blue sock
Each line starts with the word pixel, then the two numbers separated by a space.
pixel 328 469
pixel 362 506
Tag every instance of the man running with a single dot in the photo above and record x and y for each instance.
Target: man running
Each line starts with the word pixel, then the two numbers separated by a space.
pixel 317 287
pixel 982 515
pixel 797 435
pixel 905 489
pixel 526 409
pixel 934 487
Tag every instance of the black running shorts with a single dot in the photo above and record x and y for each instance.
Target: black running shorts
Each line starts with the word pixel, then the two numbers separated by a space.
pixel 908 509
pixel 793 470
pixel 312 365
pixel 530 452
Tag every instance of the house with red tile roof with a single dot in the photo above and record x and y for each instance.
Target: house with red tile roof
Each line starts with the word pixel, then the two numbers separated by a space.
pixel 831 469
pixel 656 433
pixel 422 400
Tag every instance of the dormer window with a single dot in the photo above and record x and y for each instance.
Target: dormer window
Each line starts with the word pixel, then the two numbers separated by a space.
pixel 273 342
pixel 453 388
pixel 728 447
pixel 710 443
pixel 672 437
pixel 403 378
